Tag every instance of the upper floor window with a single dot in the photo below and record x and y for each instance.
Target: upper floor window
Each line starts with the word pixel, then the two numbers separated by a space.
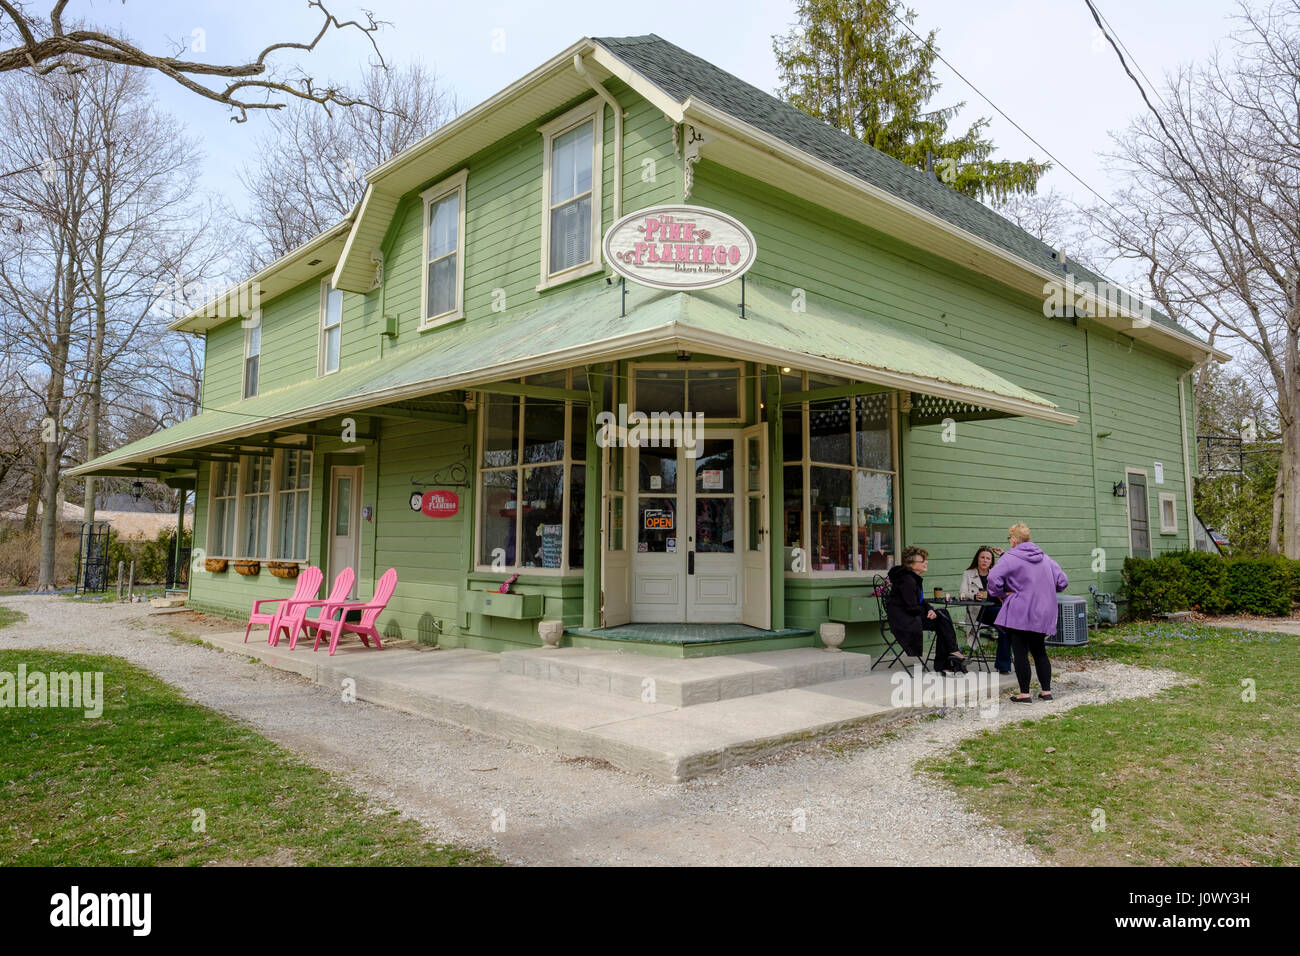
pixel 571 175
pixel 252 353
pixel 444 252
pixel 331 326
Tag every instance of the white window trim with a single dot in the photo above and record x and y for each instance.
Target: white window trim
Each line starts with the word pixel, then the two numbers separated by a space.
pixel 256 323
pixel 212 507
pixel 1128 509
pixel 325 289
pixel 570 466
pixel 234 547
pixel 1172 498
pixel 806 464
pixel 594 107
pixel 274 516
pixel 432 195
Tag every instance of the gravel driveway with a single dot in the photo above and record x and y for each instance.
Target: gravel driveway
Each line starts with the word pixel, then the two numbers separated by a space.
pixel 852 800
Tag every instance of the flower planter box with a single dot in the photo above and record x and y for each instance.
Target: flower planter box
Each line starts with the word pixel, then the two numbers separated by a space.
pixel 215 565
pixel 519 607
pixel 282 570
pixel 248 568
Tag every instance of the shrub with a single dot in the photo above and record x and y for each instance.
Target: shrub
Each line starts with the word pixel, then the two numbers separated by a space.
pixel 1156 585
pixel 1207 583
pixel 1259 586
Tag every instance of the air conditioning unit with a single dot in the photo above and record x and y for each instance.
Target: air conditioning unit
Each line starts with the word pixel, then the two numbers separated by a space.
pixel 1071 621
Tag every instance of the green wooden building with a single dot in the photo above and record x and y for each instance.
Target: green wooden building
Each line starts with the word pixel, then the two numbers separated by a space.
pixel 430 384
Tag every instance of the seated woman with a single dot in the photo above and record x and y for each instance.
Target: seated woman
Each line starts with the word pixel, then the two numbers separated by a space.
pixel 909 614
pixel 976 578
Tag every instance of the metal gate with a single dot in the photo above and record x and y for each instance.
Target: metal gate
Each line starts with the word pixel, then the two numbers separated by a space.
pixel 92 557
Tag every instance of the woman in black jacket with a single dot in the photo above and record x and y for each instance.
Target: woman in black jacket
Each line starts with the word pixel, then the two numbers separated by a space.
pixel 909 614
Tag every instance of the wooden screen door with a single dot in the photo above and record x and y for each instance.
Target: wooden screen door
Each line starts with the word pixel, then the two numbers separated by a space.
pixel 345 524
pixel 1139 518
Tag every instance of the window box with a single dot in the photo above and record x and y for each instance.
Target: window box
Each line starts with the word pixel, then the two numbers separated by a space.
pixel 248 568
pixel 282 569
pixel 216 565
pixel 519 607
pixel 853 610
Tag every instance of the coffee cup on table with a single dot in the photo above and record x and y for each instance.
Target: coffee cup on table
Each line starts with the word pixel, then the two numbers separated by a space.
pixel 982 595
pixel 938 594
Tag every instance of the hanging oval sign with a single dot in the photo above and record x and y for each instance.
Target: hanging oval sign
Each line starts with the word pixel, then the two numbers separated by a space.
pixel 680 247
pixel 439 504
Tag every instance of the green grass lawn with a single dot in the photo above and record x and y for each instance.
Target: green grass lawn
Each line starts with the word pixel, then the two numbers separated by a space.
pixel 122 789
pixel 1195 775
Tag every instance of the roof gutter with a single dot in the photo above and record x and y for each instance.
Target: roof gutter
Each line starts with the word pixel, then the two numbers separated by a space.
pixel 618 132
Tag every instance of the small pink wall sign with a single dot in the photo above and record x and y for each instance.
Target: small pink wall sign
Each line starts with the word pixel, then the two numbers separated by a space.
pixel 439 504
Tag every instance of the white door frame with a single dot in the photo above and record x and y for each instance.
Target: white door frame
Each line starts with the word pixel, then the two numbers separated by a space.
pixel 354 525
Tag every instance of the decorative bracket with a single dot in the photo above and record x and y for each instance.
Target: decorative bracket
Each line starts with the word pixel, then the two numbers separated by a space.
pixel 455 475
pixel 695 141
pixel 377 257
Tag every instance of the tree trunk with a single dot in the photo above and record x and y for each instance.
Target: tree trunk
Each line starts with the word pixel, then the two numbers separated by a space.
pixel 1274 531
pixel 34 496
pixel 1289 466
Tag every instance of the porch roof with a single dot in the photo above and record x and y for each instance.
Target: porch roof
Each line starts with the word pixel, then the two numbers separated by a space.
pixel 586 327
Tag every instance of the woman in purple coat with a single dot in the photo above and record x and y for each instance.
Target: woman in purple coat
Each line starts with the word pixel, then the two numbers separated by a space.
pixel 1027 581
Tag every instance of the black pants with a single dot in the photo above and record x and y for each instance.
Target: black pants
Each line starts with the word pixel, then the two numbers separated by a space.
pixel 945 638
pixel 1025 643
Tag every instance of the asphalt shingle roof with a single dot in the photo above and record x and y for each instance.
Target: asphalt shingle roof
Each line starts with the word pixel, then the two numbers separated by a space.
pixel 684 75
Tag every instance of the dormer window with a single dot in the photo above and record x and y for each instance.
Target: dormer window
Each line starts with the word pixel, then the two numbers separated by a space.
pixel 331 327
pixel 571 194
pixel 443 295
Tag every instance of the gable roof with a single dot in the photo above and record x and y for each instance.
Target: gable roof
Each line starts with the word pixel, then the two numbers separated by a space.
pixel 765 138
pixel 686 77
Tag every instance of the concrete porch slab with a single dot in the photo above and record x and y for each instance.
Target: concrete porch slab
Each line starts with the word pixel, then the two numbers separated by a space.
pixel 683 682
pixel 670 742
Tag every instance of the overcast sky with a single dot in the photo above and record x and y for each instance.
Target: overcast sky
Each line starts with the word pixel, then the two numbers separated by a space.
pixel 1043 63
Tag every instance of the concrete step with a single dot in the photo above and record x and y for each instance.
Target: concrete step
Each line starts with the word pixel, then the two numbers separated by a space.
pixel 668 743
pixel 683 682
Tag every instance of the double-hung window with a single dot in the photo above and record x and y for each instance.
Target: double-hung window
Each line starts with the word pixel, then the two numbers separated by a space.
pixel 256 495
pixel 293 503
pixel 331 327
pixel 260 506
pixel 571 176
pixel 252 354
pixel 443 294
pixel 221 520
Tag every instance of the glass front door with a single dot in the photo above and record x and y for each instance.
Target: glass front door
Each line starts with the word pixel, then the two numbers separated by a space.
pixel 689 514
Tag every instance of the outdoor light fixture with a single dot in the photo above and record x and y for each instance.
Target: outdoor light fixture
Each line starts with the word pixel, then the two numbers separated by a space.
pixel 785 370
pixel 137 489
pixel 1119 491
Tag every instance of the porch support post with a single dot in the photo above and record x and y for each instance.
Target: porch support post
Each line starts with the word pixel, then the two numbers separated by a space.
pixel 180 534
pixel 776 496
pixel 591 562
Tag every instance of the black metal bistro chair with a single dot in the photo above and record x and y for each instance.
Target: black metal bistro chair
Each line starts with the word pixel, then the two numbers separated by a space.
pixel 892 647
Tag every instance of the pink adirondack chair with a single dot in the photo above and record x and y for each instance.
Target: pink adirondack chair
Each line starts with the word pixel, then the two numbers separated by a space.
pixel 308 584
pixel 297 610
pixel 370 611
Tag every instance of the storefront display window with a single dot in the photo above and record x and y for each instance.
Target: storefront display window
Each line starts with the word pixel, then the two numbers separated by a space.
pixel 839 481
pixel 532 488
